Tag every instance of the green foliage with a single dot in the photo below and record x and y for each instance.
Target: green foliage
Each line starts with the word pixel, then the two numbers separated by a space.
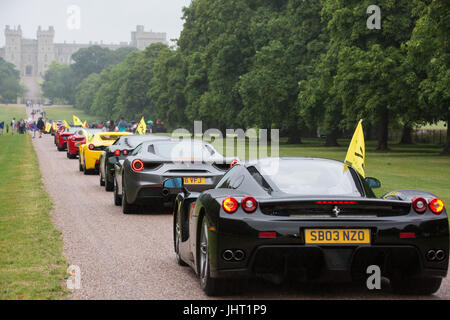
pixel 10 87
pixel 304 67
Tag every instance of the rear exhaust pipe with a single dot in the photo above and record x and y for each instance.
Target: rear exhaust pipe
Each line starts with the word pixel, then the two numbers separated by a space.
pixel 431 255
pixel 165 192
pixel 227 255
pixel 440 255
pixel 239 255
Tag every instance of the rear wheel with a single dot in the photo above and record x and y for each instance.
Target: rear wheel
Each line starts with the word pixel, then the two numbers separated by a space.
pixel 177 240
pixel 126 207
pixel 117 198
pixel 109 185
pixel 422 286
pixel 209 285
pixel 80 167
pixel 102 181
pixel 84 169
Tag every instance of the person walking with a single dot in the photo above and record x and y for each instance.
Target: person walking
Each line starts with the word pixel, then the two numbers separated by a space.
pixel 40 126
pixel 2 126
pixel 122 125
pixel 13 125
pixel 33 128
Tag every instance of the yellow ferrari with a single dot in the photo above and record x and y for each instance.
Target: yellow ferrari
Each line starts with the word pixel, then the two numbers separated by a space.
pixel 89 153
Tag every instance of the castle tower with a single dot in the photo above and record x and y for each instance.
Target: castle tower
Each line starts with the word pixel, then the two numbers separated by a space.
pixel 45 49
pixel 140 38
pixel 13 46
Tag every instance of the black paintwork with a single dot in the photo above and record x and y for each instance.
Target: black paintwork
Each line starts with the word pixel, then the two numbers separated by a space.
pixel 108 159
pixel 401 259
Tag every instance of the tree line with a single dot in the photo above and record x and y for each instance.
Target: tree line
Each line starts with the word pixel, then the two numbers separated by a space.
pixel 300 66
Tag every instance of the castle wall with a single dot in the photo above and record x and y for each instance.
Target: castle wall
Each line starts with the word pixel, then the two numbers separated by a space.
pixel 32 57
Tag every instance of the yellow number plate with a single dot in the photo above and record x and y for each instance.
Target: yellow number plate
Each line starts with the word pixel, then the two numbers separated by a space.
pixel 337 236
pixel 194 180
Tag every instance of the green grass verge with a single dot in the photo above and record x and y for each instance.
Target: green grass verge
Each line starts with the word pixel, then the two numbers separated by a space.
pixel 66 113
pixel 31 262
pixel 403 167
pixel 7 112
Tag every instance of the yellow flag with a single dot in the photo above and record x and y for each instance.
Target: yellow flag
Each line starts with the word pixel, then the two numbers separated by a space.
pixel 66 124
pixel 55 127
pixel 48 127
pixel 84 124
pixel 356 151
pixel 142 127
pixel 76 121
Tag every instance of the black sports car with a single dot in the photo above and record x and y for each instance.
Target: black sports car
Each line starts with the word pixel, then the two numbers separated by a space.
pixel 310 219
pixel 139 178
pixel 119 150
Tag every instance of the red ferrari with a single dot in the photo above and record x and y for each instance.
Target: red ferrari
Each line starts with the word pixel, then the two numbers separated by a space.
pixel 76 140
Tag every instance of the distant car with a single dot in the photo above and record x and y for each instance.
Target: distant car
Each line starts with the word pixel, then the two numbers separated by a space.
pixel 89 153
pixel 77 139
pixel 61 128
pixel 63 136
pixel 139 178
pixel 119 150
pixel 312 219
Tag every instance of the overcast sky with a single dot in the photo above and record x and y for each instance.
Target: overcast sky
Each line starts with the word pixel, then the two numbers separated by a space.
pixel 107 20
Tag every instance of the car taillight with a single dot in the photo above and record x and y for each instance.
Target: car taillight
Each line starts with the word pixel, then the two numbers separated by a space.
pixel 137 165
pixel 125 152
pixel 91 147
pixel 117 152
pixel 233 163
pixel 419 204
pixel 249 204
pixel 436 205
pixel 230 205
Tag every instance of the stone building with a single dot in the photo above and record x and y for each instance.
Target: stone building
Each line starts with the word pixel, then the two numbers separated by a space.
pixel 32 57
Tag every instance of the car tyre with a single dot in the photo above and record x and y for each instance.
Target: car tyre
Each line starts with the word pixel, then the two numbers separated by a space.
pixel 80 167
pixel 102 181
pixel 177 240
pixel 420 286
pixel 109 186
pixel 211 286
pixel 126 207
pixel 117 198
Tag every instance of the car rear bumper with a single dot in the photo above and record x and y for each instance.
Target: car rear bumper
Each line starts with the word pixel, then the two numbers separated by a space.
pixel 288 255
pixel 92 159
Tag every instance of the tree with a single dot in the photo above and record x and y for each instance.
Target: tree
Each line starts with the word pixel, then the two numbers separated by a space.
pixel 429 52
pixel 10 87
pixel 85 92
pixel 59 81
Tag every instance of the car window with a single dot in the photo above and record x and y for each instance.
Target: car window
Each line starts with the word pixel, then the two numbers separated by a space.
pixel 232 179
pixel 186 150
pixel 309 177
pixel 137 150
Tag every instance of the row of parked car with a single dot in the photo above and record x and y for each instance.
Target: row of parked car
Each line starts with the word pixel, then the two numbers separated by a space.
pixel 275 218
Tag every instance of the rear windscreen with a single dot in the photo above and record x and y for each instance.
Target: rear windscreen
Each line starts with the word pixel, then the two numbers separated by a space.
pixel 109 137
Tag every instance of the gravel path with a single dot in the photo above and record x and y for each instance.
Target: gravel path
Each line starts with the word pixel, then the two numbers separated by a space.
pixel 131 256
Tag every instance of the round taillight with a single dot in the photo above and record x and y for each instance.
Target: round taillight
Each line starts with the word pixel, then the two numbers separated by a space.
pixel 419 204
pixel 233 163
pixel 230 205
pixel 125 152
pixel 91 147
pixel 436 205
pixel 117 152
pixel 137 165
pixel 249 204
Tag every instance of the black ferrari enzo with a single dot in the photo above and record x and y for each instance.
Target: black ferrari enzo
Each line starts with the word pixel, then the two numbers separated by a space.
pixel 119 150
pixel 139 178
pixel 310 219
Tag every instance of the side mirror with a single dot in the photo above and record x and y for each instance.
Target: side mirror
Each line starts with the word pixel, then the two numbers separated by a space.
pixel 373 183
pixel 173 183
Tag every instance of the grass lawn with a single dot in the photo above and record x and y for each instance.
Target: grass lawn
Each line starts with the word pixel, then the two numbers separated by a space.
pixel 66 113
pixel 31 262
pixel 7 112
pixel 404 167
